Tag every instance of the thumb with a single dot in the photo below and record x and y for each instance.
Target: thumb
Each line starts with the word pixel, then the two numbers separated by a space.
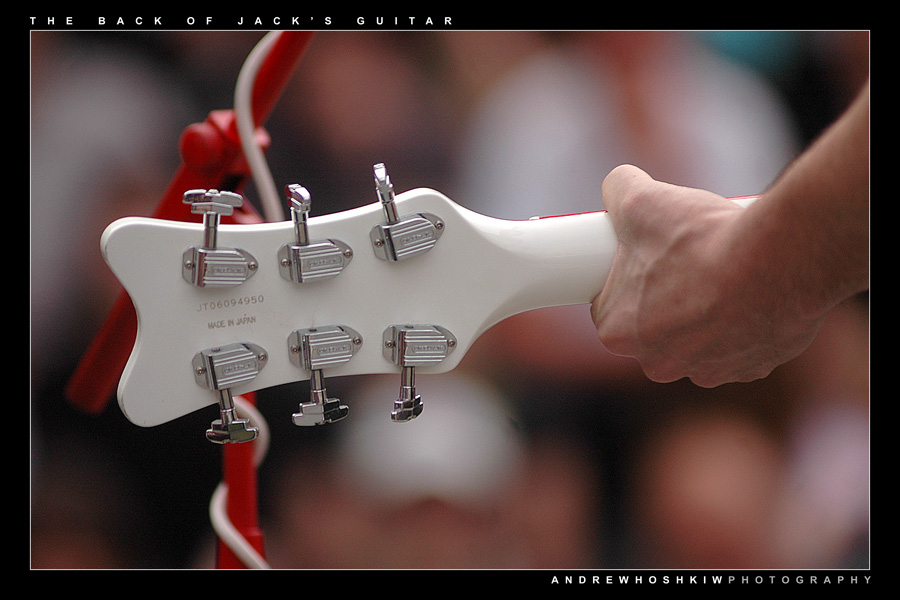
pixel 627 194
pixel 622 183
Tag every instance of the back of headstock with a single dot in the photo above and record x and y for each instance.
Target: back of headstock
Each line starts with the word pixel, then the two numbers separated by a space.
pixel 402 285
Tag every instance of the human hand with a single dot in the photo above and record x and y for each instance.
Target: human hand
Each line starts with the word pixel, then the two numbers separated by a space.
pixel 684 296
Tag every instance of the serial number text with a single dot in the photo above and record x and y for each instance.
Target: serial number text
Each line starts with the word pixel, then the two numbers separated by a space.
pixel 230 303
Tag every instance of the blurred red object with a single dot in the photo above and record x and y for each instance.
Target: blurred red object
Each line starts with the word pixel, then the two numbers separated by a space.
pixel 211 159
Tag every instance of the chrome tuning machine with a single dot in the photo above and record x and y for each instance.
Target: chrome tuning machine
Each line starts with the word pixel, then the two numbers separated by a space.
pixel 316 349
pixel 411 346
pixel 399 238
pixel 220 369
pixel 307 260
pixel 208 265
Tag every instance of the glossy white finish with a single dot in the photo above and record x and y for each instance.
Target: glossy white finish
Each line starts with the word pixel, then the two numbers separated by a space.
pixel 481 271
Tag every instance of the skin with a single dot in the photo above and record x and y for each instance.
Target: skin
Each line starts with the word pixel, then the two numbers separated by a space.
pixel 704 289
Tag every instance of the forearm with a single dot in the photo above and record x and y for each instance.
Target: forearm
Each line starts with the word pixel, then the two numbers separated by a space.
pixel 810 230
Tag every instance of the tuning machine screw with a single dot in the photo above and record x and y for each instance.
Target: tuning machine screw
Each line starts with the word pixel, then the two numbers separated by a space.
pixel 307 260
pixel 220 369
pixel 412 346
pixel 399 238
pixel 316 349
pixel 208 265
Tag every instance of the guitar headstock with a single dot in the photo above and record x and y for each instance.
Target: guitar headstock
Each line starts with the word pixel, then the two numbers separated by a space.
pixel 403 285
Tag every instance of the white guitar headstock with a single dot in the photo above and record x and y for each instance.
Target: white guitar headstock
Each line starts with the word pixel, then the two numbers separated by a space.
pixel 402 285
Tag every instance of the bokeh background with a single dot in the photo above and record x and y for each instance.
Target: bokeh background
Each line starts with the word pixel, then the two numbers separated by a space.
pixel 542 450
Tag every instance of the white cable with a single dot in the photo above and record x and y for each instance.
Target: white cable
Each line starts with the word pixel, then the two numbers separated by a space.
pixel 243 96
pixel 272 212
pixel 218 512
pixel 250 412
pixel 230 536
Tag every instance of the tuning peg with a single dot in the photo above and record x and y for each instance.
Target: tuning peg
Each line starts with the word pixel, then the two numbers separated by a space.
pixel 212 204
pixel 316 349
pixel 385 191
pixel 209 265
pixel 399 238
pixel 202 201
pixel 320 409
pixel 300 203
pixel 408 404
pixel 307 260
pixel 412 346
pixel 228 428
pixel 221 369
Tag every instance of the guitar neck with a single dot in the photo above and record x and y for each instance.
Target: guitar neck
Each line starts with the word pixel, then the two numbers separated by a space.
pixel 542 262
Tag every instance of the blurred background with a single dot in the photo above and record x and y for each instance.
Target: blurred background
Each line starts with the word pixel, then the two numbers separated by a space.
pixel 539 451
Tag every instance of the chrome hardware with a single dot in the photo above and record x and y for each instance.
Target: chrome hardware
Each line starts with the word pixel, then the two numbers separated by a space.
pixel 207 265
pixel 316 349
pixel 308 260
pixel 320 409
pixel 220 369
pixel 385 191
pixel 412 346
pixel 408 404
pixel 400 238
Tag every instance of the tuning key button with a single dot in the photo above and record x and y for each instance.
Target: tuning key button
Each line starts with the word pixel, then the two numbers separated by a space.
pixel 320 409
pixel 220 369
pixel 307 260
pixel 408 405
pixel 229 429
pixel 400 238
pixel 316 349
pixel 411 346
pixel 209 265
pixel 385 191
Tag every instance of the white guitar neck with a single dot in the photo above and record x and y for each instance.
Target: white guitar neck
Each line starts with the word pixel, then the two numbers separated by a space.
pixel 542 262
